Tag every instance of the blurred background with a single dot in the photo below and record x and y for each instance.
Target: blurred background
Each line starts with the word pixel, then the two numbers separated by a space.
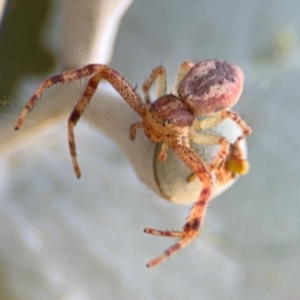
pixel 61 238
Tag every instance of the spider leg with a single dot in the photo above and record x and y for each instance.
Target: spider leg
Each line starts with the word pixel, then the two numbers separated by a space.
pixel 182 71
pixel 159 74
pixel 214 120
pixel 121 85
pixel 117 81
pixel 234 164
pixel 63 77
pixel 210 139
pixel 194 221
pixel 239 121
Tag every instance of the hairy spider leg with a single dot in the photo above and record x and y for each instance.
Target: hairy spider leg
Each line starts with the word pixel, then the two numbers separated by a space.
pixel 120 84
pixel 195 219
pixel 64 77
pixel 135 101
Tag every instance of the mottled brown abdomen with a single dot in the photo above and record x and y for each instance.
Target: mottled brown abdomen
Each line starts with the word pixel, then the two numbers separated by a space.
pixel 211 86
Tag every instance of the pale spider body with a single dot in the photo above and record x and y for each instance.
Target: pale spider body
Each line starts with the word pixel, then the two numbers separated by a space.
pixel 169 119
pixel 208 88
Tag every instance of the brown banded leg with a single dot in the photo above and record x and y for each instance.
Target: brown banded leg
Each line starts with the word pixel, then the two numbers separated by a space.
pixel 195 219
pixel 182 71
pixel 63 77
pixel 75 116
pixel 120 84
pixel 159 74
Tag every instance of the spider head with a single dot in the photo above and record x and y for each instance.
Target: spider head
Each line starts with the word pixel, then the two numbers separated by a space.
pixel 167 116
pixel 211 86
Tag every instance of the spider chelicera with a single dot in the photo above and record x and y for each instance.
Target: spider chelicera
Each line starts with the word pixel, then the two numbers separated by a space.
pixel 206 89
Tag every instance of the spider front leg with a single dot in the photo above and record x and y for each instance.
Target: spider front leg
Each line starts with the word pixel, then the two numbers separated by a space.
pixel 121 85
pixel 64 77
pixel 193 224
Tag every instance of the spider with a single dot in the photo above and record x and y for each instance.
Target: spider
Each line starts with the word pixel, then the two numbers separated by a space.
pixel 206 89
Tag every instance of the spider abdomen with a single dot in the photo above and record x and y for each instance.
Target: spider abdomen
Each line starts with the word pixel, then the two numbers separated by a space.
pixel 211 86
pixel 169 110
